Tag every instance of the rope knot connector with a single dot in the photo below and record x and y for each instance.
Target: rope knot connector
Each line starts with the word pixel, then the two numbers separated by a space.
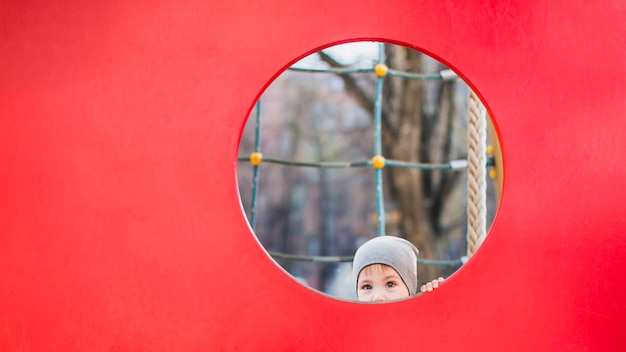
pixel 381 70
pixel 378 162
pixel 256 158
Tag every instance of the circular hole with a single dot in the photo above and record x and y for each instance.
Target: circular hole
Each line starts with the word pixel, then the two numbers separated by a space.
pixel 308 163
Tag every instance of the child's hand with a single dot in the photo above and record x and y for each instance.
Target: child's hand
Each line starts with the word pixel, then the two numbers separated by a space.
pixel 429 286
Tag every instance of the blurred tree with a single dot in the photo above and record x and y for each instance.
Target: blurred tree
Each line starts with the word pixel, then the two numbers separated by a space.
pixel 421 122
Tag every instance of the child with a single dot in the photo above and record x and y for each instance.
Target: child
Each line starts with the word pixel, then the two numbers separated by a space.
pixel 385 269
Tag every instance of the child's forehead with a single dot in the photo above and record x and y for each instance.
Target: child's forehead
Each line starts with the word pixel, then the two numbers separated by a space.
pixel 378 269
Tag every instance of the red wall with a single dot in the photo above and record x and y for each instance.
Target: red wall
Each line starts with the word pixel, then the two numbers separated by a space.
pixel 121 227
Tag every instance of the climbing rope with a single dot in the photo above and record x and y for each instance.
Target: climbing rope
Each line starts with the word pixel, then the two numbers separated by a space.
pixel 444 75
pixel 346 259
pixel 379 161
pixel 256 158
pixel 476 180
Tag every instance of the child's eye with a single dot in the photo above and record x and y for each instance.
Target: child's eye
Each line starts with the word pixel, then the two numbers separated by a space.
pixel 366 287
pixel 391 284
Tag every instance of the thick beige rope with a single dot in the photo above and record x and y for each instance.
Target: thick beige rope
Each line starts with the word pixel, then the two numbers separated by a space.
pixel 476 178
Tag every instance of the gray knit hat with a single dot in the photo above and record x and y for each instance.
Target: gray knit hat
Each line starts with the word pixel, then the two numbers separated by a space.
pixel 396 252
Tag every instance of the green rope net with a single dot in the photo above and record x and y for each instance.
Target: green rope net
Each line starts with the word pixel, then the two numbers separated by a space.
pixel 377 161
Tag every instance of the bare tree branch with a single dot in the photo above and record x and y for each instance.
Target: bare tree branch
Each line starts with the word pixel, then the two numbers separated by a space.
pixel 351 86
pixel 366 101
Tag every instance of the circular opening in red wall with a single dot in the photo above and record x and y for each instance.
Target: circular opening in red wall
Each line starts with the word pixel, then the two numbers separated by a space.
pixel 361 140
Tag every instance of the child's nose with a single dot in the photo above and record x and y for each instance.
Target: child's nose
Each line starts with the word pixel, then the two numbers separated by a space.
pixel 379 296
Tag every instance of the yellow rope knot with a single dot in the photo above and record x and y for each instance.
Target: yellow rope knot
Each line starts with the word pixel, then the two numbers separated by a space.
pixel 381 70
pixel 378 162
pixel 256 158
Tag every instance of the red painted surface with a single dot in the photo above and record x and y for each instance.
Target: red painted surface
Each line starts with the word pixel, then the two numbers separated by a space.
pixel 121 227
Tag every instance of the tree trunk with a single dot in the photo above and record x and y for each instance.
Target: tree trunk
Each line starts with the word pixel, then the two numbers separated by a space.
pixel 401 141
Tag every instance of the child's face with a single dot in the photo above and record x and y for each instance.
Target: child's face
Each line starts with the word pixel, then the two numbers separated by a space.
pixel 379 283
